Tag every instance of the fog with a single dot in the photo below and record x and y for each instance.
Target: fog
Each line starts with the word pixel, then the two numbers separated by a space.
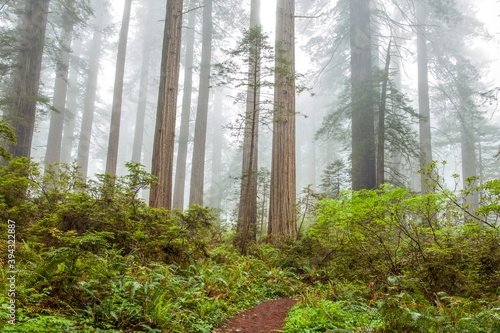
pixel 463 67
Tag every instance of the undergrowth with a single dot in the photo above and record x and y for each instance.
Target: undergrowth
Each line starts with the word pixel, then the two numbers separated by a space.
pixel 92 257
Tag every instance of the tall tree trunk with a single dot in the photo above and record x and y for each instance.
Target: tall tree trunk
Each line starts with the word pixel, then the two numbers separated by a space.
pixel 282 216
pixel 396 156
pixel 217 141
pixel 247 214
pixel 143 87
pixel 71 104
pixel 90 95
pixel 163 147
pixel 116 110
pixel 423 96
pixel 363 132
pixel 200 130
pixel 54 141
pixel 21 113
pixel 381 122
pixel 180 169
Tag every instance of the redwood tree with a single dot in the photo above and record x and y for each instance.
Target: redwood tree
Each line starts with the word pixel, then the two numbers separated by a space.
pixel 163 148
pixel 71 103
pixel 363 131
pixel 282 217
pixel 247 214
pixel 423 95
pixel 116 110
pixel 143 86
pixel 180 169
pixel 54 141
pixel 90 92
pixel 26 80
pixel 200 130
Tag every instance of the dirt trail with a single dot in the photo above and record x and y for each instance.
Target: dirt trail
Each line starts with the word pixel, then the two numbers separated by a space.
pixel 267 317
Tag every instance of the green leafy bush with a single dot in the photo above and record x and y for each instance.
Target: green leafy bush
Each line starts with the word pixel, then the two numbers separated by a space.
pixel 392 232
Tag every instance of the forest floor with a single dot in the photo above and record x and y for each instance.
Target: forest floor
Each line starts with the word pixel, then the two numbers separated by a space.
pixel 266 317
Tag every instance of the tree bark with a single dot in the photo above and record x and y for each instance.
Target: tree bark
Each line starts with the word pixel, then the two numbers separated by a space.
pixel 247 214
pixel 143 88
pixel 21 113
pixel 180 168
pixel 116 109
pixel 200 130
pixel 363 132
pixel 423 96
pixel 71 105
pixel 54 141
pixel 282 216
pixel 163 147
pixel 90 95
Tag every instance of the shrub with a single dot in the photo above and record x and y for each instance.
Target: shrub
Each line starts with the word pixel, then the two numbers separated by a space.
pixel 391 232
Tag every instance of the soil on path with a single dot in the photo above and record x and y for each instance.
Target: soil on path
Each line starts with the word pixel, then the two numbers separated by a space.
pixel 265 318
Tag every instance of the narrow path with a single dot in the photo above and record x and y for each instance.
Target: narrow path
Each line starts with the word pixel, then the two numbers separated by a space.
pixel 266 317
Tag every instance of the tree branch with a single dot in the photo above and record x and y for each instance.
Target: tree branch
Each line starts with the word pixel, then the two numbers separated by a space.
pixel 6 2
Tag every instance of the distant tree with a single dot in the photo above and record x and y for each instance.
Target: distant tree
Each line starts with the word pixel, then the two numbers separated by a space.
pixel 200 131
pixel 69 15
pixel 381 121
pixel 218 145
pixel 423 93
pixel 91 88
pixel 396 123
pixel 71 107
pixel 255 52
pixel 457 95
pixel 54 141
pixel 362 99
pixel 22 101
pixel 247 214
pixel 143 85
pixel 116 110
pixel 180 169
pixel 282 217
pixel 335 179
pixel 163 149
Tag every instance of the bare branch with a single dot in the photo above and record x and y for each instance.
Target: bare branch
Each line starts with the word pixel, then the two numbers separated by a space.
pixel 6 2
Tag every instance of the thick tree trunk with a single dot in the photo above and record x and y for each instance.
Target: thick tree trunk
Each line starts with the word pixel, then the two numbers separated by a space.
pixel 143 88
pixel 90 96
pixel 71 105
pixel 21 113
pixel 200 130
pixel 363 132
pixel 282 216
pixel 163 148
pixel 54 141
pixel 247 214
pixel 116 110
pixel 180 168
pixel 423 96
